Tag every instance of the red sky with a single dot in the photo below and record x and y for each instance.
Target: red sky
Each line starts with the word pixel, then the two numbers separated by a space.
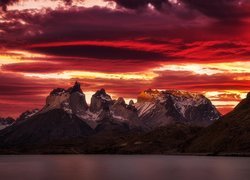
pixel 125 47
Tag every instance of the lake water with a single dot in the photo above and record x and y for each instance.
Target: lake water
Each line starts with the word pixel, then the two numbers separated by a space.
pixel 108 167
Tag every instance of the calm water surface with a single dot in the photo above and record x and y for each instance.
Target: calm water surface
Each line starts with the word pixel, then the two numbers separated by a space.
pixel 98 167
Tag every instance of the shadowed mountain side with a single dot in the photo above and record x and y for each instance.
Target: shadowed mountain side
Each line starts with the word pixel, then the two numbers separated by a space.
pixel 43 128
pixel 165 140
pixel 230 134
pixel 5 122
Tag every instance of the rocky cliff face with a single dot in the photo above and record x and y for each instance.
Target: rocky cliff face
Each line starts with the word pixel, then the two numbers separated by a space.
pixel 100 101
pixel 26 115
pixel 159 108
pixel 71 100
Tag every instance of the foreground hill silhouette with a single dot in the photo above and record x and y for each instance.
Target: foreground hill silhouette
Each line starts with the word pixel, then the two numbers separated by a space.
pixel 160 122
pixel 231 134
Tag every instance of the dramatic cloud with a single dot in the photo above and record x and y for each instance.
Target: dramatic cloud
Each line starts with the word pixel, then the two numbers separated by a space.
pixel 126 47
pixel 104 52
pixel 5 3
pixel 221 9
pixel 131 4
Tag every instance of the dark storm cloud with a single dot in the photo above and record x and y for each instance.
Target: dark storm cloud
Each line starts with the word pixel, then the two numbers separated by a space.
pixel 72 24
pixel 99 52
pixel 232 10
pixel 21 28
pixel 5 3
pixel 81 65
pixel 221 9
pixel 136 4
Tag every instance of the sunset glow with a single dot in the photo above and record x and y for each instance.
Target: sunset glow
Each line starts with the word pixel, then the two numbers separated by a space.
pixel 124 47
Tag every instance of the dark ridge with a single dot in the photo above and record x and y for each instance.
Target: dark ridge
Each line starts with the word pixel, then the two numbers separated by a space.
pixel 100 92
pixel 43 128
pixel 57 91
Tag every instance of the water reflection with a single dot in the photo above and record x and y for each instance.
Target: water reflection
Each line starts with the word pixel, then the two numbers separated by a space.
pixel 99 167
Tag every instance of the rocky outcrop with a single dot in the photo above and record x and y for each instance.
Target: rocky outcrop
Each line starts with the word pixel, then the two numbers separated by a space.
pixel 5 122
pixel 26 115
pixel 100 101
pixel 122 112
pixel 160 108
pixel 72 100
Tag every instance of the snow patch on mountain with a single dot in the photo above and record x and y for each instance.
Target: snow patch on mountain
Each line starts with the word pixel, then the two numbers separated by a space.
pixel 119 118
pixel 144 108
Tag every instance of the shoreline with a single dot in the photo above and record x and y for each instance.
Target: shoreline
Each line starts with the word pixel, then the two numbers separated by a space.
pixel 132 154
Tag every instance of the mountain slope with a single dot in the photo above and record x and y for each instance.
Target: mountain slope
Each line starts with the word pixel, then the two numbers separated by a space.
pixel 230 134
pixel 43 128
pixel 164 140
pixel 5 122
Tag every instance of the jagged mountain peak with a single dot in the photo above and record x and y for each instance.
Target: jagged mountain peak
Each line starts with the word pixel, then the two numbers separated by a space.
pixel 66 115
pixel 244 104
pixel 59 91
pixel 148 95
pixel 248 95
pixel 154 94
pixel 120 100
pixel 158 108
pixel 71 100
pixel 102 94
pixel 75 88
pixel 100 101
pixel 184 94
pixel 153 109
pixel 131 102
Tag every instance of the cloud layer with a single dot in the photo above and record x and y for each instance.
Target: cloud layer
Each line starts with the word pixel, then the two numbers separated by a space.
pixel 188 44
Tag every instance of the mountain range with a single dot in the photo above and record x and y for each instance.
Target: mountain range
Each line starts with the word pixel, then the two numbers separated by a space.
pixel 169 121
